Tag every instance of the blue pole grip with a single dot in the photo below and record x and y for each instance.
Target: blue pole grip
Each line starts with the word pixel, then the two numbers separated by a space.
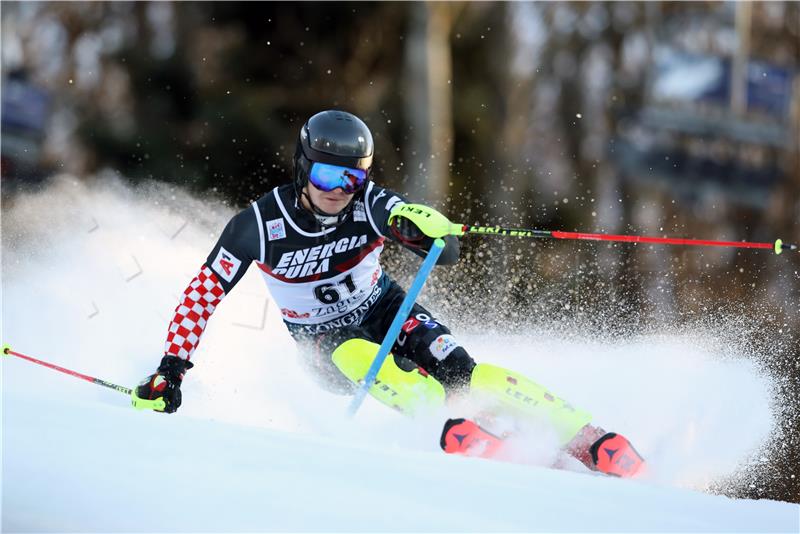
pixel 397 324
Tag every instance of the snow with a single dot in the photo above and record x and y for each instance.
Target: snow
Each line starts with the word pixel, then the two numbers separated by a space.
pixel 91 275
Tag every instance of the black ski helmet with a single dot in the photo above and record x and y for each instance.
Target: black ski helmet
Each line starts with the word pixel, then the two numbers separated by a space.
pixel 333 137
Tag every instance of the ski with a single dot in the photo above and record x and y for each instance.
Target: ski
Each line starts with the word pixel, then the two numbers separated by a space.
pixel 605 452
pixel 462 436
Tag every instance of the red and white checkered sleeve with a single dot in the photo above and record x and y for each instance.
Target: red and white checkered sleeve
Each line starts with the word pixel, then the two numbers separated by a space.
pixel 196 306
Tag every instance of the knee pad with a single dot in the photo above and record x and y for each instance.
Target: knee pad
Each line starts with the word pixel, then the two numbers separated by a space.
pixel 523 396
pixel 409 392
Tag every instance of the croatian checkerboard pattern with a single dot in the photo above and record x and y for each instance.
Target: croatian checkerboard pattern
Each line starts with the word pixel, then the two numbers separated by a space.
pixel 197 304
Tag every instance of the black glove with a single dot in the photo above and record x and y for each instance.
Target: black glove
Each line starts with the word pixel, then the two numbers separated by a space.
pixel 165 383
pixel 409 233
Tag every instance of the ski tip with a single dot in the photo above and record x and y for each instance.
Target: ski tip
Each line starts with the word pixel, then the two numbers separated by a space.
pixel 614 455
pixel 462 436
pixel 6 349
pixel 448 425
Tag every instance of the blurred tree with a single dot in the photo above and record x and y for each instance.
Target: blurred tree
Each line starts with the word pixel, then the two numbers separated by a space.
pixel 429 98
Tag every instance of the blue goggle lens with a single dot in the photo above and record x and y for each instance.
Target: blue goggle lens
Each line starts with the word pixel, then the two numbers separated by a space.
pixel 326 177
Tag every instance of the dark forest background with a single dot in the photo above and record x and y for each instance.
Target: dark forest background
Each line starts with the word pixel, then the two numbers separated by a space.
pixel 657 118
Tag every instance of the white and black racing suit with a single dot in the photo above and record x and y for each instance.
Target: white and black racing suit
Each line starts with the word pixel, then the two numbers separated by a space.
pixel 327 282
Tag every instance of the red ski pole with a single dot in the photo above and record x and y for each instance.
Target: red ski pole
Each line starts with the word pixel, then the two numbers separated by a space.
pixel 122 389
pixel 778 246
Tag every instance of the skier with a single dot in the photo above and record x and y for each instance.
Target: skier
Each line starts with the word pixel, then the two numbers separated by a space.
pixel 317 241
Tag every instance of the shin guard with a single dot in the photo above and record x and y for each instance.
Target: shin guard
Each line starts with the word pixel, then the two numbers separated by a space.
pixel 521 395
pixel 406 391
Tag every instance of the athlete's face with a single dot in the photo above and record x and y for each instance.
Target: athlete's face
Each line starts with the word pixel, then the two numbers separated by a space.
pixel 331 202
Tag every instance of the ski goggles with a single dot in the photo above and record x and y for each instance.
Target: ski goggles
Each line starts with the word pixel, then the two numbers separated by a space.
pixel 326 177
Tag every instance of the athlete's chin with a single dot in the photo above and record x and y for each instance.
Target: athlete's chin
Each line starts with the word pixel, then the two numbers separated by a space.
pixel 332 206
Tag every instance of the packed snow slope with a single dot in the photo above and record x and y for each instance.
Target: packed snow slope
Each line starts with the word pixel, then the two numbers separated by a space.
pixel 91 276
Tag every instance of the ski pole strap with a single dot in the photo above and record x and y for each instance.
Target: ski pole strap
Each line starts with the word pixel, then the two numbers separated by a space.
pixel 122 389
pixel 397 324
pixel 778 246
